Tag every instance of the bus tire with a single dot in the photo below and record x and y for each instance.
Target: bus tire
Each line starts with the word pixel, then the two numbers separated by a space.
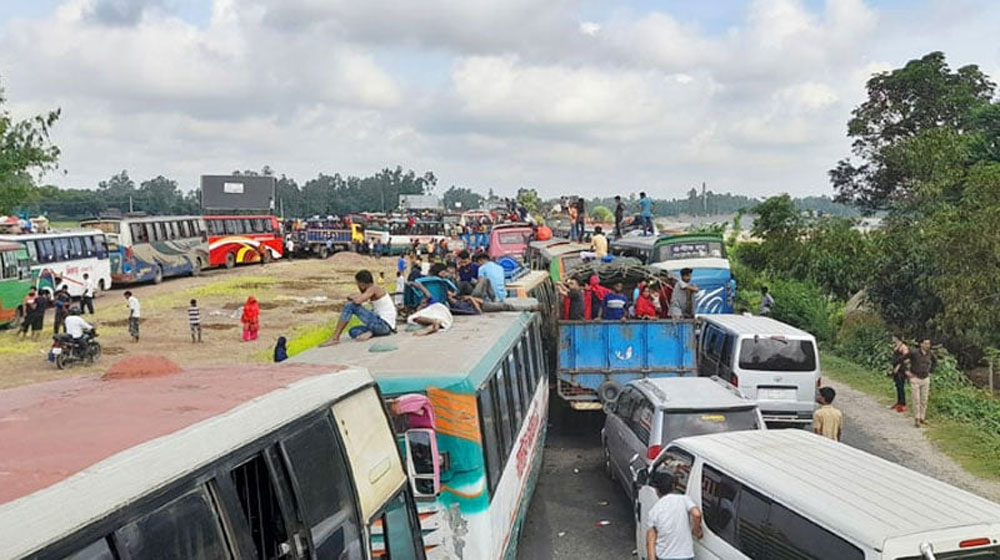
pixel 265 257
pixel 196 267
pixel 230 260
pixel 609 391
pixel 158 277
pixel 324 252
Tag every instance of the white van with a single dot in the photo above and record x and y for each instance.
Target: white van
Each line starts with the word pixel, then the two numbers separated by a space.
pixel 793 494
pixel 775 364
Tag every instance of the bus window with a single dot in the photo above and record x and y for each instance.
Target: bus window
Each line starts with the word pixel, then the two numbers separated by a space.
pixel 187 527
pixel 401 531
pixel 323 488
pixel 172 230
pixel 88 245
pixel 182 226
pixel 161 231
pixel 139 233
pixel 63 251
pixel 232 227
pixel 76 247
pixel 490 431
pixel 196 228
pixel 32 252
pixel 259 503
pixel 151 234
pixel 98 550
pixel 503 413
pixel 102 245
pixel 247 226
pixel 8 265
pixel 513 392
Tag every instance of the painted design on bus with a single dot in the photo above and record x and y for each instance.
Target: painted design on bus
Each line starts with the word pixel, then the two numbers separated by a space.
pixel 236 240
pixel 15 281
pixel 60 259
pixel 153 247
pixel 144 262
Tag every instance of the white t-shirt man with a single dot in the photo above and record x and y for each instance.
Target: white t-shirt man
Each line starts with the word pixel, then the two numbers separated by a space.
pixel 680 300
pixel 435 311
pixel 671 518
pixel 134 307
pixel 75 326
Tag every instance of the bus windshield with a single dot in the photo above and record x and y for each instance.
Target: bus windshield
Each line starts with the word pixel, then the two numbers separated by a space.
pixel 690 250
pixel 777 354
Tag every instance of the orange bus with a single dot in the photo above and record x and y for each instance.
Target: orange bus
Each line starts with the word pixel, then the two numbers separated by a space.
pixel 236 240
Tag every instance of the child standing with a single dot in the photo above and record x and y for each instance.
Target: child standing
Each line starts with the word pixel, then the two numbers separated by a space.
pixel 250 319
pixel 194 321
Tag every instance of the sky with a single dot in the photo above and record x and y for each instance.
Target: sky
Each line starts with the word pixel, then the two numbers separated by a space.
pixel 589 97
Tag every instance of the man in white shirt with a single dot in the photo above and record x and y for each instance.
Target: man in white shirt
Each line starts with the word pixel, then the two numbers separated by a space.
pixel 674 522
pixel 89 291
pixel 134 312
pixel 75 325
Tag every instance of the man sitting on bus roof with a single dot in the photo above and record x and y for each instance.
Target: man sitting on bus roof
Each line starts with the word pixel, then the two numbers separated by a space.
pixel 490 285
pixel 380 321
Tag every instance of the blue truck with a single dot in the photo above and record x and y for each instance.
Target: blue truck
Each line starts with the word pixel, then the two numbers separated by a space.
pixel 596 358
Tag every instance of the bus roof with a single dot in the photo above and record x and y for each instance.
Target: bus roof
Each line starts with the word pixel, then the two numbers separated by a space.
pixel 5 246
pixel 689 237
pixel 866 498
pixel 465 353
pixel 78 449
pixel 755 325
pixel 638 242
pixel 20 237
pixel 554 251
pixel 526 283
pixel 139 219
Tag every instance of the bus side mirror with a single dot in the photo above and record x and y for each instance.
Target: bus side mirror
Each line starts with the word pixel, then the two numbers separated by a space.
pixel 423 465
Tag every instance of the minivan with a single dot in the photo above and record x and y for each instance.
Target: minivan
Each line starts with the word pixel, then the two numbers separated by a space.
pixel 794 494
pixel 652 412
pixel 770 362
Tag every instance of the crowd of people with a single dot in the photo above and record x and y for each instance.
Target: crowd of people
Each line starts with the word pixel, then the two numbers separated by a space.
pixel 651 299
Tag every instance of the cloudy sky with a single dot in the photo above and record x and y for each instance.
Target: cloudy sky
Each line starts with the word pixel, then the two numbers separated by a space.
pixel 568 96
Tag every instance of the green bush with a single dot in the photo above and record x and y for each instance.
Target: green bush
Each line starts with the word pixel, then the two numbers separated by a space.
pixel 865 339
pixel 804 305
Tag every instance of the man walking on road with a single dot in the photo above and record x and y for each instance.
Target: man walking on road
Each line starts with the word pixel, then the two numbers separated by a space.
pixel 674 522
pixel 922 364
pixel 134 312
pixel 89 291
pixel 828 421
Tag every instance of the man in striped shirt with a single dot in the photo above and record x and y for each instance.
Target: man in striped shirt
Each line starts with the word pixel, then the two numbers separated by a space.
pixel 194 321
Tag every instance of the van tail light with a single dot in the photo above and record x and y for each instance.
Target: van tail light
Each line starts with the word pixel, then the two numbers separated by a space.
pixel 973 542
pixel 654 452
pixel 735 380
pixel 819 382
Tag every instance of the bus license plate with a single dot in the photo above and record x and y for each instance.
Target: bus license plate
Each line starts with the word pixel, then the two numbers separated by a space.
pixel 776 394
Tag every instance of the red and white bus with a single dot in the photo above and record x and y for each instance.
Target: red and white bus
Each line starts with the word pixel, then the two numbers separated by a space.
pixel 236 240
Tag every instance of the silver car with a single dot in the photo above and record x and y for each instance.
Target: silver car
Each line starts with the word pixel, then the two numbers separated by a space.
pixel 653 412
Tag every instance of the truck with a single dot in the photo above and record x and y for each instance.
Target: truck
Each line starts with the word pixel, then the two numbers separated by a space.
pixel 596 358
pixel 323 238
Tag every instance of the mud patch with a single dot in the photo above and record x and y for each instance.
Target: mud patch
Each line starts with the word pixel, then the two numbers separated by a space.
pixel 218 326
pixel 140 366
pixel 322 308
pixel 117 323
pixel 264 305
pixel 112 350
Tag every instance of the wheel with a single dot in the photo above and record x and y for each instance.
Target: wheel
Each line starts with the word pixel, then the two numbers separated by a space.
pixel 230 260
pixel 61 360
pixel 196 267
pixel 158 278
pixel 265 257
pixel 324 252
pixel 93 352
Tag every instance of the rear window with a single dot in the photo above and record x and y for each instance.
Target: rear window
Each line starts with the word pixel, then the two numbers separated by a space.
pixel 678 424
pixel 981 554
pixel 777 354
pixel 513 238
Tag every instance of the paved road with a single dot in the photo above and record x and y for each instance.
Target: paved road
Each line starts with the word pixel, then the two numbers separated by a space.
pixel 573 490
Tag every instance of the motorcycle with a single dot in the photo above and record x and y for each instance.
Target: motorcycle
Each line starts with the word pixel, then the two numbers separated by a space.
pixel 66 351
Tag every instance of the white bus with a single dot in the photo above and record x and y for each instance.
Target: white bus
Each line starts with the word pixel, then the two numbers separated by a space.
pixel 61 258
pixel 241 462
pixel 793 494
pixel 474 438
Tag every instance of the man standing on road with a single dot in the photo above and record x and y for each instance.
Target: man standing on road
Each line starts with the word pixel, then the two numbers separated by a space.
pixel 619 216
pixel 682 300
pixel 89 291
pixel 674 522
pixel 828 421
pixel 922 364
pixel 646 213
pixel 134 312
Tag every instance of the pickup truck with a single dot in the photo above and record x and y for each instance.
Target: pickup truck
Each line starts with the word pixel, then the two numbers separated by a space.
pixel 323 242
pixel 596 358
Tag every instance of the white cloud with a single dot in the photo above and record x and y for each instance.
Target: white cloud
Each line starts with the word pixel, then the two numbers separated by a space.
pixel 496 93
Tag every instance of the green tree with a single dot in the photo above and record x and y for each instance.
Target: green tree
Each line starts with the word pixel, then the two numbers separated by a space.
pixel 778 219
pixel 24 148
pixel 465 197
pixel 529 199
pixel 925 94
pixel 602 214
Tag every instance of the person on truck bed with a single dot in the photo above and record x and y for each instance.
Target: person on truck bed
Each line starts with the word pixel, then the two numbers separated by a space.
pixel 644 306
pixel 571 291
pixel 682 300
pixel 615 304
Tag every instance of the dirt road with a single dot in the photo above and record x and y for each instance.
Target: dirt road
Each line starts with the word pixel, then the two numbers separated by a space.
pixel 299 299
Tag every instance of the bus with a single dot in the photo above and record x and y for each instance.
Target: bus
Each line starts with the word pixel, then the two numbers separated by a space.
pixel 557 258
pixel 236 240
pixel 61 258
pixel 705 255
pixel 248 461
pixel 15 281
pixel 151 248
pixel 475 445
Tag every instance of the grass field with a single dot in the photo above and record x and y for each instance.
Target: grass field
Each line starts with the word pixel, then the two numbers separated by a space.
pixel 977 450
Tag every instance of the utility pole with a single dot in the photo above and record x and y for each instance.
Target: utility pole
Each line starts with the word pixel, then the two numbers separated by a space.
pixel 130 209
pixel 704 199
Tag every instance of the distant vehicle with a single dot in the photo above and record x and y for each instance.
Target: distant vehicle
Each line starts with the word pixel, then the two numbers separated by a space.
pixel 151 248
pixel 557 256
pixel 15 281
pixel 61 258
pixel 323 238
pixel 402 235
pixel 597 358
pixel 771 362
pixel 277 461
pixel 474 449
pixel 651 413
pixel 509 240
pixel 236 240
pixel 793 494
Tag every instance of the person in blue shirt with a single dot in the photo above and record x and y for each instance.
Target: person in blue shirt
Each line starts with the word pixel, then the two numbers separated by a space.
pixel 490 284
pixel 646 213
pixel 615 304
pixel 401 264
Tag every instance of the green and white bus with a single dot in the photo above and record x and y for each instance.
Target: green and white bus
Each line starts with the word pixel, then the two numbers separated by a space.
pixel 473 447
pixel 61 258
pixel 15 281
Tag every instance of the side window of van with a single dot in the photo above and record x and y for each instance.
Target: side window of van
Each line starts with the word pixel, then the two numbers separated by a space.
pixel 718 502
pixel 726 358
pixel 187 527
pixel 796 537
pixel 642 419
pixel 677 463
pixel 98 550
pixel 326 499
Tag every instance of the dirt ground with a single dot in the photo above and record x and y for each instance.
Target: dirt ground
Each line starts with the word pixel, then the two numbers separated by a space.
pixel 299 299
